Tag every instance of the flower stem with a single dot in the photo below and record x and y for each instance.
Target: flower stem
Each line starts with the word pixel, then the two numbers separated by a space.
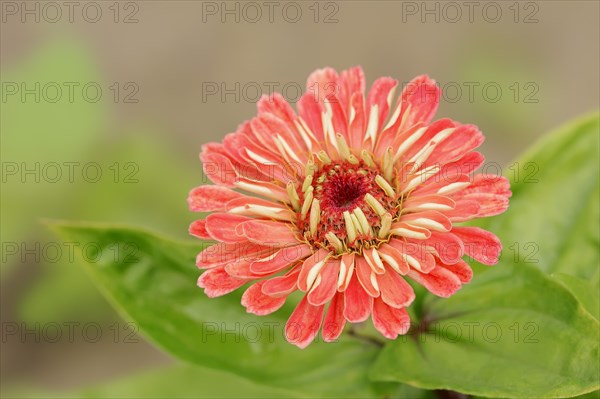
pixel 353 332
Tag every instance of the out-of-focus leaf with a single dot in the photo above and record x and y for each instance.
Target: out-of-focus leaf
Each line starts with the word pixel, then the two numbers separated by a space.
pixel 153 281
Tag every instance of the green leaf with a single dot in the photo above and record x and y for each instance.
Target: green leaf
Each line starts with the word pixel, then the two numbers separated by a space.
pixel 549 340
pixel 516 333
pixel 552 221
pixel 185 381
pixel 188 381
pixel 153 281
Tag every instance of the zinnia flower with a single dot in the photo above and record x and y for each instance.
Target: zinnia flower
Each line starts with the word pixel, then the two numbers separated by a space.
pixel 349 198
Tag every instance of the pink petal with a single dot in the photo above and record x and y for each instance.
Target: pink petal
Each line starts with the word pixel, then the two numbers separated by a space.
pixel 430 220
pixel 389 321
pixel 339 119
pixel 276 127
pixel 444 186
pixel 379 95
pixel 210 198
pixel 371 256
pixel 326 289
pixel 449 248
pixel 279 107
pixel 281 259
pixel 466 165
pixel 310 111
pixel 395 291
pixel 394 258
pixel 357 303
pixel 334 319
pixel 488 184
pixel 461 270
pixel 346 271
pixel 431 132
pixel 281 286
pixel 417 256
pixel 198 229
pixel 262 188
pixel 255 301
pixel 491 192
pixel 311 269
pixel 480 244
pixel 366 276
pixel 222 253
pixel 240 269
pixel 269 233
pixel 428 202
pixel 406 230
pixel 239 202
pixel 303 325
pixel 464 139
pixel 351 82
pixel 218 167
pixel 222 227
pixel 439 281
pixel 357 126
pixel 216 282
pixel 322 83
pixel 463 211
pixel 419 100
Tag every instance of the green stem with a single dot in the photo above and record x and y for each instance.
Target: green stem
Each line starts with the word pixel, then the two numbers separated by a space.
pixel 353 332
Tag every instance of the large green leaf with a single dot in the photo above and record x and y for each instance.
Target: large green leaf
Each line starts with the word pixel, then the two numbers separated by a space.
pixel 153 281
pixel 549 339
pixel 190 381
pixel 200 382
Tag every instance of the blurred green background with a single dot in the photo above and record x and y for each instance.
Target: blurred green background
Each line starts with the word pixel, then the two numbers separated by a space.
pixel 153 61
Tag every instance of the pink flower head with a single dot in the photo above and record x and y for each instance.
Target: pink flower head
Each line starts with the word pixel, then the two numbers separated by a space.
pixel 351 196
